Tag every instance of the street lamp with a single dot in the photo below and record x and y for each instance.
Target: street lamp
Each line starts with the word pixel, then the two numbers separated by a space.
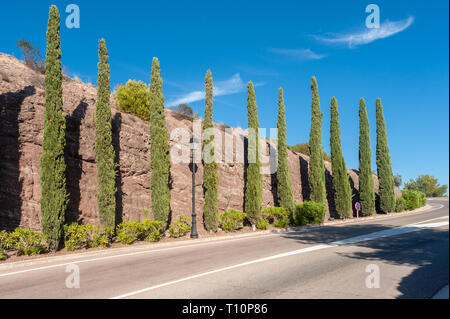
pixel 194 144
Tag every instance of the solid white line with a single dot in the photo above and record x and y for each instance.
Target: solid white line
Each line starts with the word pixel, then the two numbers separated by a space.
pixel 149 251
pixel 367 237
pixel 124 255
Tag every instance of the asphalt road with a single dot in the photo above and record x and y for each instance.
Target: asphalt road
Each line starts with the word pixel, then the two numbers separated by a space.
pixel 404 256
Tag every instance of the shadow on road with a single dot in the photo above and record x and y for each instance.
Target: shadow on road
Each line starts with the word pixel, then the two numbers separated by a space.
pixel 427 250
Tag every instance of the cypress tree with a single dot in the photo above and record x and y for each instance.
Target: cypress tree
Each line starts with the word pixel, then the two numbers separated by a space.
pixel 366 190
pixel 159 148
pixel 54 197
pixel 106 167
pixel 385 176
pixel 316 166
pixel 253 189
pixel 341 184
pixel 210 177
pixel 284 186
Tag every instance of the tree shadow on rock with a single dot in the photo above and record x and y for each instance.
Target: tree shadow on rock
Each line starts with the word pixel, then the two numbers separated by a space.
pixel 10 182
pixel 74 161
pixel 330 194
pixel 116 128
pixel 273 177
pixel 304 177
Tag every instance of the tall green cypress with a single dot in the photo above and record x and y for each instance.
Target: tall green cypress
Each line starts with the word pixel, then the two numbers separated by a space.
pixel 104 150
pixel 210 177
pixel 54 196
pixel 366 190
pixel 284 186
pixel 384 168
pixel 253 189
pixel 316 165
pixel 159 148
pixel 341 184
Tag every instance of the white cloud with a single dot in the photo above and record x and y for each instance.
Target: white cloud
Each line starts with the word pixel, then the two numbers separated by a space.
pixel 231 86
pixel 385 30
pixel 301 54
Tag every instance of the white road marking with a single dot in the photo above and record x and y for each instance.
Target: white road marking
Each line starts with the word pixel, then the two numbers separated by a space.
pixel 151 251
pixel 125 255
pixel 352 240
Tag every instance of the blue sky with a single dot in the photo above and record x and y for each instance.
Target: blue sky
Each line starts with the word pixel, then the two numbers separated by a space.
pixel 274 43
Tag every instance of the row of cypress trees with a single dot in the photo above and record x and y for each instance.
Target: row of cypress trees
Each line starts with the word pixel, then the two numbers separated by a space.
pixel 340 179
pixel 54 196
pixel 341 185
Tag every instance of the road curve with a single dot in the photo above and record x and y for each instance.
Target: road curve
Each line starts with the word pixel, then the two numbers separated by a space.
pixel 404 256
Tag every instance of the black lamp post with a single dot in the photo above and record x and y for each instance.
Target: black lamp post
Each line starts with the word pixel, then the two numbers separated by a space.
pixel 194 234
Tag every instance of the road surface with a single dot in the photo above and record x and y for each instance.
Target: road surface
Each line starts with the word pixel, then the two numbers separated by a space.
pixel 404 256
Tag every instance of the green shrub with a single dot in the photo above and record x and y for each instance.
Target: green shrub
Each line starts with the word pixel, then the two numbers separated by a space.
pixel 180 228
pixel 86 236
pixel 282 223
pixel 151 230
pixel 232 220
pixel 27 242
pixel 133 98
pixel 277 215
pixel 400 204
pixel 2 254
pixel 129 232
pixel 422 199
pixel 309 213
pixel 6 241
pixel 262 224
pixel 413 199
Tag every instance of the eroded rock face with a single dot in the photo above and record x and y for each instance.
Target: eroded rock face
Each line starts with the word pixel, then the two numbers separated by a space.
pixel 21 133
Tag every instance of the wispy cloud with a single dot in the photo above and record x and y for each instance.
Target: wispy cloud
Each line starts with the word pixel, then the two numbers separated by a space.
pixel 385 30
pixel 300 54
pixel 231 86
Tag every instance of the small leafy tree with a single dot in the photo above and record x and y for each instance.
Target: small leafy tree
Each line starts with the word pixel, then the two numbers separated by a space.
pixel 32 56
pixel 398 180
pixel 304 149
pixel 427 184
pixel 133 98
pixel 184 109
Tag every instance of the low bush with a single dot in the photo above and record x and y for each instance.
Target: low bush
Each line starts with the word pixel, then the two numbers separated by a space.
pixel 309 213
pixel 278 216
pixel 86 236
pixel 2 254
pixel 181 227
pixel 262 224
pixel 25 241
pixel 232 220
pixel 151 230
pixel 6 241
pixel 133 98
pixel 129 232
pixel 413 199
pixel 400 204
